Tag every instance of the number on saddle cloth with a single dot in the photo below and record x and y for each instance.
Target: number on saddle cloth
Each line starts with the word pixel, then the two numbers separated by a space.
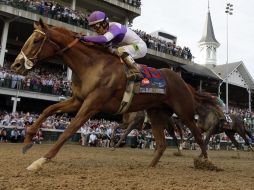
pixel 153 81
pixel 149 72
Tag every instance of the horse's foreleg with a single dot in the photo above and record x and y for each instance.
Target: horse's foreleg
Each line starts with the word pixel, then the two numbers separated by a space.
pixel 70 105
pixel 68 132
pixel 207 138
pixel 180 130
pixel 232 138
pixel 111 142
pixel 198 137
pixel 112 138
pixel 135 124
pixel 92 105
pixel 123 136
pixel 158 120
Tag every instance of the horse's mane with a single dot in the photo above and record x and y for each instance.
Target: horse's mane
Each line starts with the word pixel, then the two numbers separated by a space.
pixel 72 34
pixel 205 102
pixel 63 30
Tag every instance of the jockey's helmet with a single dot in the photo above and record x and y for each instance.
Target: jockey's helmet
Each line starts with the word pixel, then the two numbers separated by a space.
pixel 98 21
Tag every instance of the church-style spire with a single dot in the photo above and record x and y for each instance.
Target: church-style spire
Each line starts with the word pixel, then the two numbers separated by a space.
pixel 208 33
pixel 208 43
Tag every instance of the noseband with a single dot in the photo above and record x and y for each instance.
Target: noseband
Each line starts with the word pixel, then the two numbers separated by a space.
pixel 29 62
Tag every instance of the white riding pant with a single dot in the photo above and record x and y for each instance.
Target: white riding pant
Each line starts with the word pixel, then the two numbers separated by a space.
pixel 136 50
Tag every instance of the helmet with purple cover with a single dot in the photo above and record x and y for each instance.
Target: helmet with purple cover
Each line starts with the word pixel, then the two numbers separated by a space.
pixel 96 17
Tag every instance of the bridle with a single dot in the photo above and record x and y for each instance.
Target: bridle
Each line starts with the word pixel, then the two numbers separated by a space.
pixel 30 62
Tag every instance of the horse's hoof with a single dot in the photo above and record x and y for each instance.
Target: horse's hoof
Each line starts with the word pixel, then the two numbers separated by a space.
pixel 205 164
pixel 113 149
pixel 27 147
pixel 37 165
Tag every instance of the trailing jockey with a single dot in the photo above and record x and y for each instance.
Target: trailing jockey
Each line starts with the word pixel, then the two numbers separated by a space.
pixel 225 119
pixel 125 42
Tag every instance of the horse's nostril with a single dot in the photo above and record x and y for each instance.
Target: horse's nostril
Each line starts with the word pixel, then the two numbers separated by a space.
pixel 18 65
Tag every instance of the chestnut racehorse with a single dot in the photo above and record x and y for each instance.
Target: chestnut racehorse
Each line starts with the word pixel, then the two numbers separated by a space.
pixel 98 85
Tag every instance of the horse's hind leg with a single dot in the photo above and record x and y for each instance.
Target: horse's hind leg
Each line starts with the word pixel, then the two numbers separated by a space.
pixel 135 124
pixel 170 129
pixel 158 119
pixel 251 137
pixel 242 132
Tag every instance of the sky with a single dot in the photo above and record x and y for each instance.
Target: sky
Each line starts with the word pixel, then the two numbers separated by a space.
pixel 186 19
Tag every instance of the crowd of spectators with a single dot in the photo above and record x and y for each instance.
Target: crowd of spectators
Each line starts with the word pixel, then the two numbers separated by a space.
pixel 246 115
pixel 54 81
pixel 19 121
pixel 65 14
pixel 46 79
pixel 57 11
pixel 97 132
pixel 135 3
pixel 164 46
pixel 53 10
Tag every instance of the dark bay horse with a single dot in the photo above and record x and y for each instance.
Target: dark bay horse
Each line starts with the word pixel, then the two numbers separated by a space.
pixel 136 120
pixel 98 85
pixel 209 122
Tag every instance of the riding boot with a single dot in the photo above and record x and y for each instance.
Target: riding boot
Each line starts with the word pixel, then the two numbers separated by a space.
pixel 134 72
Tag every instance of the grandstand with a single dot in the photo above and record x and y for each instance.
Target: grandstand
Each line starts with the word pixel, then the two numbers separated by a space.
pixel 51 83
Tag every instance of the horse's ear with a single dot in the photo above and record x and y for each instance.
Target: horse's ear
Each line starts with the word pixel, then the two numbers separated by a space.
pixel 42 24
pixel 36 25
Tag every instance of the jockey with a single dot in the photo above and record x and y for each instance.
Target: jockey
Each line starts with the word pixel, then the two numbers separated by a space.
pixel 225 118
pixel 129 45
pixel 221 104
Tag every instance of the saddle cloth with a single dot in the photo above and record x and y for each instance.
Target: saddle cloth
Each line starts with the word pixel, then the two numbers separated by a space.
pixel 153 81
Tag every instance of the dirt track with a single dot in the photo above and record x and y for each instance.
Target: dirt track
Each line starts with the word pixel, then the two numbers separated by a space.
pixel 76 167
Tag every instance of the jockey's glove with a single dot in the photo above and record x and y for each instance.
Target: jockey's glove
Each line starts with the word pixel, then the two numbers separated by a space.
pixel 112 50
pixel 79 36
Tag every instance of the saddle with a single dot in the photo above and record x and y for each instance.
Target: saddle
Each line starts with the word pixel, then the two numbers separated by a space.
pixel 153 82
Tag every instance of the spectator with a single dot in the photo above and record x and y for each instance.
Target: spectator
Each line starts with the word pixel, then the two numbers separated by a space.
pixel 92 139
pixel 141 140
pixel 84 135
pixel 15 135
pixel 38 137
pixel 2 77
pixel 3 135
